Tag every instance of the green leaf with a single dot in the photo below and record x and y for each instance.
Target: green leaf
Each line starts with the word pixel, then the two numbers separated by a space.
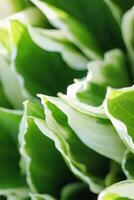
pixel 123 5
pixel 41 70
pixel 73 29
pixel 55 40
pixel 43 163
pixel 118 7
pixel 127 164
pixel 112 71
pixel 119 107
pixel 81 21
pixel 76 191
pixel 115 174
pixel 81 160
pixel 3 99
pixel 119 191
pixel 10 176
pixel 93 130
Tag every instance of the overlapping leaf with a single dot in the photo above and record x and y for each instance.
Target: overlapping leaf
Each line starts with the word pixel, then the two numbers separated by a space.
pixel 81 159
pixel 75 136
pixel 92 89
pixel 120 191
pixel 92 130
pixel 119 107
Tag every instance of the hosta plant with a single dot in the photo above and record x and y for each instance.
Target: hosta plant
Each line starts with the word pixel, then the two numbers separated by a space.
pixel 66 99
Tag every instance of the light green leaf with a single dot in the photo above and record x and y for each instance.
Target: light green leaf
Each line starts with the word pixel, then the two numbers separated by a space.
pixel 120 191
pixel 12 83
pixel 30 16
pixel 8 7
pixel 119 107
pixel 43 163
pixel 4 39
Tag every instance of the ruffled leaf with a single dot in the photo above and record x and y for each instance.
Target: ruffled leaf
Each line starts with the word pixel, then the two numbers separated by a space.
pixel 81 160
pixel 112 71
pixel 39 68
pixel 119 106
pixel 94 131
pixel 43 163
pixel 56 41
